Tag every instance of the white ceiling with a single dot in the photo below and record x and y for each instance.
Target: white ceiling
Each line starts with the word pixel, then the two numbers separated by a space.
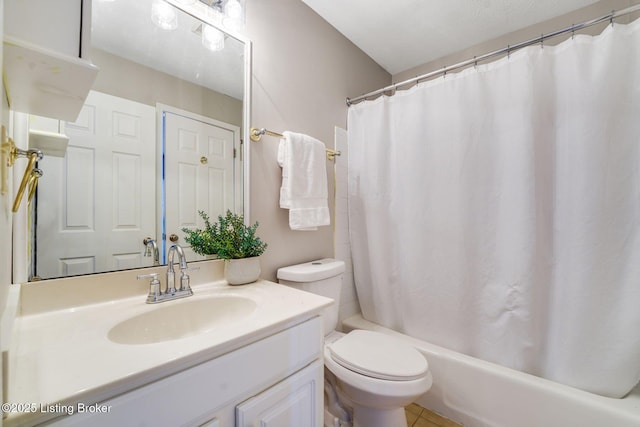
pixel 402 34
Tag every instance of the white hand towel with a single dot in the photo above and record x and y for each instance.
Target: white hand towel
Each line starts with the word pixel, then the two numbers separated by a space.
pixel 304 181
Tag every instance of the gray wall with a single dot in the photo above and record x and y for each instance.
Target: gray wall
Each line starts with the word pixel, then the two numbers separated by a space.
pixel 303 70
pixel 126 79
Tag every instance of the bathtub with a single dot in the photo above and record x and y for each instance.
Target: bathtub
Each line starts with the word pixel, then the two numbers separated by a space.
pixel 476 393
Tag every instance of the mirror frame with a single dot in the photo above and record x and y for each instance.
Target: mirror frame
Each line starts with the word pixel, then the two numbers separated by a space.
pixel 20 124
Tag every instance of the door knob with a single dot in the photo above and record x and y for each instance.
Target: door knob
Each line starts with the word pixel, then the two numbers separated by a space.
pixel 174 238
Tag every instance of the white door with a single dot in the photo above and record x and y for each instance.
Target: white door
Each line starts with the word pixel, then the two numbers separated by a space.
pixel 200 158
pixel 106 183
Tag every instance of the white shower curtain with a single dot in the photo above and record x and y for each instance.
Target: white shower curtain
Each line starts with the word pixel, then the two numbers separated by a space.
pixel 496 211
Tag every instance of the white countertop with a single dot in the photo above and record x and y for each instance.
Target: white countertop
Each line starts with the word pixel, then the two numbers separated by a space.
pixel 65 357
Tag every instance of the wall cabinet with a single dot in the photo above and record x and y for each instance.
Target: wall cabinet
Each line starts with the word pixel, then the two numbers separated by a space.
pixel 278 380
pixel 54 25
pixel 45 57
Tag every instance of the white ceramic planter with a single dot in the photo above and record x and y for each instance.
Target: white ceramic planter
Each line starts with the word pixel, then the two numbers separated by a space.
pixel 242 271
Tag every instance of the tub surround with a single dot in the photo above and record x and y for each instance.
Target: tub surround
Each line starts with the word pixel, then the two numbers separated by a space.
pixel 60 353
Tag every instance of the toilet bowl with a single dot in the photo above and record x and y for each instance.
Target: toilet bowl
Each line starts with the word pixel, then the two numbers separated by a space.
pixel 376 375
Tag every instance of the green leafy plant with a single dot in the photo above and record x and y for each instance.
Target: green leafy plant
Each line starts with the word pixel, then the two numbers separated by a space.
pixel 229 238
pixel 202 241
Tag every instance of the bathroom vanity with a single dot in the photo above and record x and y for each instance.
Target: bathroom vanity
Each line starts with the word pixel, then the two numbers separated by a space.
pixel 88 350
pixel 227 356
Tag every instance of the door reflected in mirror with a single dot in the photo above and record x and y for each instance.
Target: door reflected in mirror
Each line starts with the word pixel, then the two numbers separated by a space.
pixel 158 139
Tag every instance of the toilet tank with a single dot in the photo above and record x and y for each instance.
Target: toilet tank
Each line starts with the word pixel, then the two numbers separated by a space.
pixel 322 277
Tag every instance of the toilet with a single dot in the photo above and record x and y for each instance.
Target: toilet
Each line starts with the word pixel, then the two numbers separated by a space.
pixel 376 375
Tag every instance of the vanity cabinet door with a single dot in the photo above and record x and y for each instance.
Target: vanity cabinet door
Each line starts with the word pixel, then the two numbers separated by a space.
pixel 294 402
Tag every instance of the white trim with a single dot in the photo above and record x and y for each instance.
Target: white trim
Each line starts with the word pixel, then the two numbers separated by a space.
pixel 20 249
pixel 20 262
pixel 246 121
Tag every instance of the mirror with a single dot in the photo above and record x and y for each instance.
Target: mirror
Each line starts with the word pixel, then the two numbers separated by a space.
pixel 159 138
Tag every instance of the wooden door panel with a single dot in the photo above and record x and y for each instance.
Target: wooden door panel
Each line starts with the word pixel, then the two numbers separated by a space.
pixel 200 154
pixel 107 184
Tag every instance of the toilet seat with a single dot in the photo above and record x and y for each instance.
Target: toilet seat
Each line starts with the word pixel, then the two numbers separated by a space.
pixel 378 356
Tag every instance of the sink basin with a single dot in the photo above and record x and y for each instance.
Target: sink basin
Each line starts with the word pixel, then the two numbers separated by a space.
pixel 182 319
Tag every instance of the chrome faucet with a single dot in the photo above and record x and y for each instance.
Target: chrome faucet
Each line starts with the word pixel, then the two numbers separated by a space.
pixel 171 275
pixel 156 294
pixel 151 245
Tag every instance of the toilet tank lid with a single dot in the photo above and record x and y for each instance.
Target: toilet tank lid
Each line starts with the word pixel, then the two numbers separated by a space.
pixel 312 271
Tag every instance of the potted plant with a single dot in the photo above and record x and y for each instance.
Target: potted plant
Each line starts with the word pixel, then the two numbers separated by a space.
pixel 202 240
pixel 233 241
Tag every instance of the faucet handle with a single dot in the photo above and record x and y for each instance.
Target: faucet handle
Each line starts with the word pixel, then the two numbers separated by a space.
pixel 184 278
pixel 154 286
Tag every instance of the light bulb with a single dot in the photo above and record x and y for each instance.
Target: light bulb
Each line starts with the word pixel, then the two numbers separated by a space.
pixel 233 15
pixel 233 10
pixel 212 38
pixel 164 15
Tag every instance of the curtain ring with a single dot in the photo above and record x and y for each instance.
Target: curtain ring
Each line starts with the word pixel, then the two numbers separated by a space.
pixel 508 51
pixel 391 91
pixel 444 71
pixel 613 12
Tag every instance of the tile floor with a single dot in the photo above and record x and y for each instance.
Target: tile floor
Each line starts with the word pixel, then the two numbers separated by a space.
pixel 417 416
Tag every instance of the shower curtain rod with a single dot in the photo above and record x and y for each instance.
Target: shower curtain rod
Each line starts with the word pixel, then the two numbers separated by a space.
pixel 444 70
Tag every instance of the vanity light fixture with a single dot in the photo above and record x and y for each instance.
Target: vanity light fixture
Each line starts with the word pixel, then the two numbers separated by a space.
pixel 164 15
pixel 233 15
pixel 212 38
pixel 230 13
pixel 226 13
